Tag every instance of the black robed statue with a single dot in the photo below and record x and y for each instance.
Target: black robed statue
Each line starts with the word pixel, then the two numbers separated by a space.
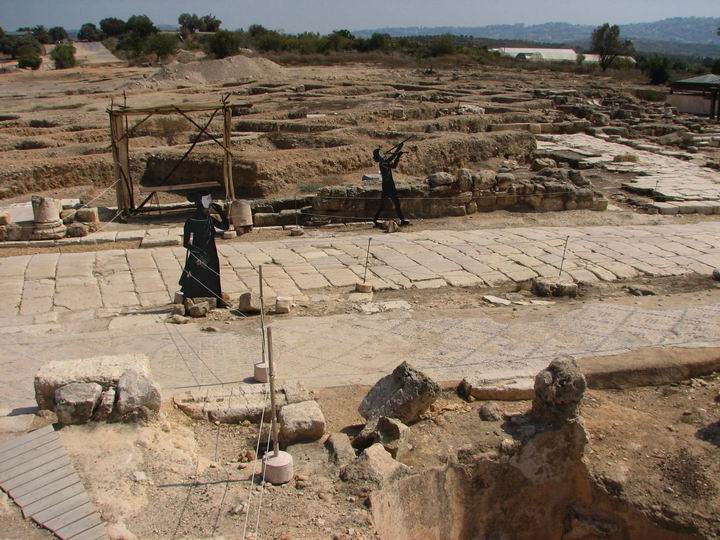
pixel 201 276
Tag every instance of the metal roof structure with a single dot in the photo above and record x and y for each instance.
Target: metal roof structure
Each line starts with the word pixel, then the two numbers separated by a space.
pixel 708 82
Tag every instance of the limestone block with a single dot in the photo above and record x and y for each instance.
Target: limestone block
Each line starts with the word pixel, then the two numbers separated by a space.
pixel 283 304
pixel 301 422
pixel 137 393
pixel 249 303
pixel 75 402
pixel 105 406
pixel 87 215
pixel 374 466
pixel 103 370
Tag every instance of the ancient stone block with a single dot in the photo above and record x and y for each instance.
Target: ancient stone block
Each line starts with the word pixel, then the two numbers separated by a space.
pixel 105 406
pixel 137 394
pixel 75 402
pixel 301 422
pixel 87 215
pixel 103 370
pixel 249 303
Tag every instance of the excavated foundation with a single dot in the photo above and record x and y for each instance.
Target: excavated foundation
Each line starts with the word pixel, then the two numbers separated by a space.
pixel 539 490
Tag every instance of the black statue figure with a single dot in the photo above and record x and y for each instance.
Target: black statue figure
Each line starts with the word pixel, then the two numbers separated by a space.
pixel 389 191
pixel 201 276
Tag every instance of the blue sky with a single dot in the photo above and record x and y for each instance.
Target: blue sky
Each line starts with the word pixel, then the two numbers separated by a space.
pixel 327 15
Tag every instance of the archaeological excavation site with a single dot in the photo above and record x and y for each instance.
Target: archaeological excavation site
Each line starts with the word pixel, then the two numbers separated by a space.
pixel 355 293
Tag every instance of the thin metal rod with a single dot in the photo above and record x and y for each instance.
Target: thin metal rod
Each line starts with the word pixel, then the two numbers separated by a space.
pixel 563 258
pixel 273 406
pixel 262 316
pixel 367 260
pixel 296 216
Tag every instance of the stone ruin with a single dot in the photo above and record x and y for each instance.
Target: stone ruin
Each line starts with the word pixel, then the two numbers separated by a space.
pixel 52 220
pixel 99 389
pixel 550 188
pixel 48 225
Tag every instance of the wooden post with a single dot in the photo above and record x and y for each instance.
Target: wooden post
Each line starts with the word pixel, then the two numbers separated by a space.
pixel 121 160
pixel 273 406
pixel 262 314
pixel 229 185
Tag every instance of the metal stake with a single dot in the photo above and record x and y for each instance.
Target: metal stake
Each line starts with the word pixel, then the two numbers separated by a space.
pixel 367 260
pixel 274 426
pixel 563 257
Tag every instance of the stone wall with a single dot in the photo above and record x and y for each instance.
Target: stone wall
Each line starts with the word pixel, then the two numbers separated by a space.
pixel 465 193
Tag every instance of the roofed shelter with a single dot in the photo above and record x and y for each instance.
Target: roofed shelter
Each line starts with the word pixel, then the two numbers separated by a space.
pixel 120 134
pixel 698 95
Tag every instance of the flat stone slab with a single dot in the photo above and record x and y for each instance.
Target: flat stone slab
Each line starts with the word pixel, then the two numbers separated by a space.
pixel 235 404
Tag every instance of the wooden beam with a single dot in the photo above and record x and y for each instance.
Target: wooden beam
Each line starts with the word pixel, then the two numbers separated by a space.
pixel 229 184
pixel 121 161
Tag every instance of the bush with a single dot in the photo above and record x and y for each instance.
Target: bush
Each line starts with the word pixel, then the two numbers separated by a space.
pixel 224 43
pixel 657 68
pixel 32 61
pixel 441 46
pixel 716 67
pixel 169 127
pixel 41 34
pixel 64 56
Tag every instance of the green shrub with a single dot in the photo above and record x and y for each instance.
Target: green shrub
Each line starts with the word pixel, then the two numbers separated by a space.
pixel 32 61
pixel 64 56
pixel 442 46
pixel 224 43
pixel 658 69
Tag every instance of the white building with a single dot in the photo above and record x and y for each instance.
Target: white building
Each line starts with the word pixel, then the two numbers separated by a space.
pixel 551 55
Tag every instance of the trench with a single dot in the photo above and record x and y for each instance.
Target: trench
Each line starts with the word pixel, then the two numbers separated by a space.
pixel 544 491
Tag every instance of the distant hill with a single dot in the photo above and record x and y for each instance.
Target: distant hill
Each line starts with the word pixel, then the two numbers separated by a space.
pixel 668 36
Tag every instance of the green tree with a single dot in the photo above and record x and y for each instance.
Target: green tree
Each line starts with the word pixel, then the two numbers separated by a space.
pixel 162 45
pixel 606 43
pixel 58 33
pixel 112 26
pixel 224 43
pixel 64 56
pixel 141 26
pixel 89 32
pixel 2 33
pixel 209 23
pixel 41 34
pixel 256 30
pixel 189 24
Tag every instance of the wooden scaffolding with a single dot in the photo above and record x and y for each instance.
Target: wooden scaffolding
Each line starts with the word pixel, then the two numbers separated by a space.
pixel 120 135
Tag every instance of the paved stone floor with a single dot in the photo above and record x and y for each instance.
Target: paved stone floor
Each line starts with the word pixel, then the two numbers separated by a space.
pixel 346 349
pixel 45 288
pixel 687 186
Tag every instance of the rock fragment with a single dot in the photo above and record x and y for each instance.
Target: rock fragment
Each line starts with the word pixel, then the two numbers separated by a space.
pixel 75 402
pixel 404 394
